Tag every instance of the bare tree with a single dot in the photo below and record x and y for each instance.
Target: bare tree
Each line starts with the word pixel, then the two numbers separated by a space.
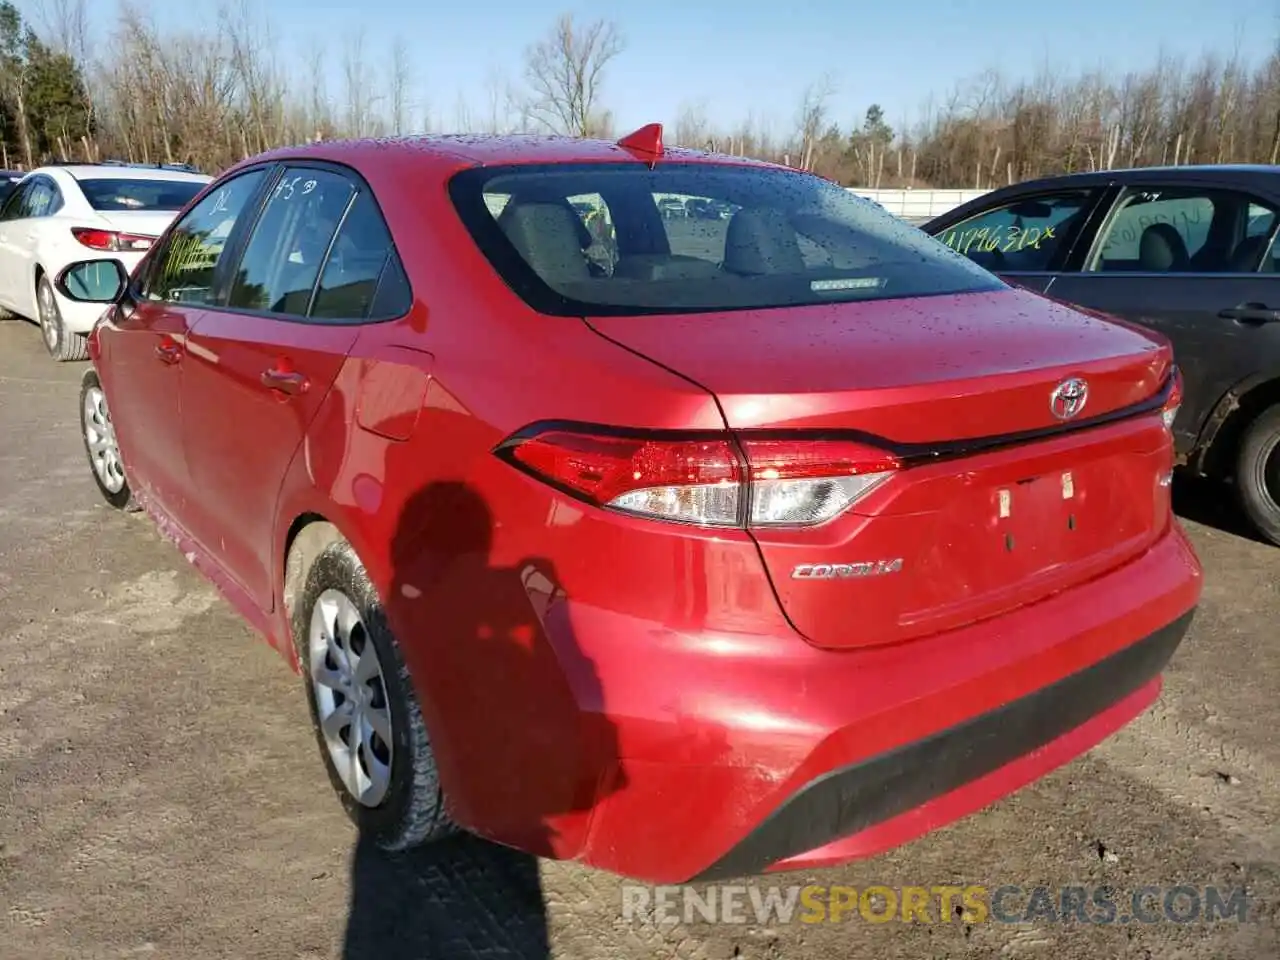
pixel 565 71
pixel 811 118
pixel 65 27
pixel 359 87
pixel 212 96
pixel 692 126
pixel 319 111
pixel 399 78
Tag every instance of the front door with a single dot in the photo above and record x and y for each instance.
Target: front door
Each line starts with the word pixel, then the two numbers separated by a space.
pixel 145 351
pixel 259 368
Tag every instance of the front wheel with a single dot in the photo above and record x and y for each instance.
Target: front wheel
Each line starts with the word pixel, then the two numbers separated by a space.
pixel 99 435
pixel 367 721
pixel 61 343
pixel 1258 474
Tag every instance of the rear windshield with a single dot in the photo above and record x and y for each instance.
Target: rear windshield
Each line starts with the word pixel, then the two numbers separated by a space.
pixel 620 239
pixel 120 194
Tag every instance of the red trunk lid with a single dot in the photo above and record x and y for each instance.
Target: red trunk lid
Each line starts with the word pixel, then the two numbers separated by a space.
pixel 968 536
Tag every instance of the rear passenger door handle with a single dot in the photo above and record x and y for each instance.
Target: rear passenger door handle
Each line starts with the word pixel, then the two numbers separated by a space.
pixel 285 381
pixel 1250 313
pixel 169 350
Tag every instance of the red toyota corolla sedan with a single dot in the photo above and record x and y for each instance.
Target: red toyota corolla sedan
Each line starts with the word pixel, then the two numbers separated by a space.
pixel 682 515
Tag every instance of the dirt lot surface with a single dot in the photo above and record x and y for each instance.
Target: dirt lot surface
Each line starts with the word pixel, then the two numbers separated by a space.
pixel 161 794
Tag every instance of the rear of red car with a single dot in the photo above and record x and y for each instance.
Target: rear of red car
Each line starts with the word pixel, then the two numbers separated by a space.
pixel 926 555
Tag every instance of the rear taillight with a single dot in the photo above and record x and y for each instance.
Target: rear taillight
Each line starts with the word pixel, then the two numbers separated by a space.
pixel 111 240
pixel 1169 412
pixel 792 482
pixel 804 482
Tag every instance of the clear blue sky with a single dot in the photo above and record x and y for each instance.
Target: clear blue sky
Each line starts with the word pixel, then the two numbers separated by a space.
pixel 757 57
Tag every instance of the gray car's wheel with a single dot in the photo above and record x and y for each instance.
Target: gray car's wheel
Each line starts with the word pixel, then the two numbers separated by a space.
pixel 60 342
pixel 1258 474
pixel 99 435
pixel 366 716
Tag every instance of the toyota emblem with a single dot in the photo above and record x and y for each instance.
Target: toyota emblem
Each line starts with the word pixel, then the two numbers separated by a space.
pixel 1068 398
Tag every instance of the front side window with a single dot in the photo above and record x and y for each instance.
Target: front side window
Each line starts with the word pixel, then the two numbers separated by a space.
pixel 1185 230
pixel 122 194
pixel 183 271
pixel 753 238
pixel 1023 236
pixel 290 242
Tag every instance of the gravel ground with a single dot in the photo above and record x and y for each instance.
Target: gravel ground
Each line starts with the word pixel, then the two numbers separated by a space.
pixel 161 794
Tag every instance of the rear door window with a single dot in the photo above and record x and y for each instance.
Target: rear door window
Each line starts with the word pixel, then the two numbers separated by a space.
pixel 1155 229
pixel 290 242
pixel 44 200
pixel 15 205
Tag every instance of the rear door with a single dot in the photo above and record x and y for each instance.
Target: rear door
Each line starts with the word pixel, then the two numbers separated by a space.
pixel 262 361
pixel 1195 262
pixel 1028 239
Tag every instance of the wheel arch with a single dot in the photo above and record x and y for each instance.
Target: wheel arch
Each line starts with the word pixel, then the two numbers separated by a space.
pixel 37 273
pixel 1224 428
pixel 310 531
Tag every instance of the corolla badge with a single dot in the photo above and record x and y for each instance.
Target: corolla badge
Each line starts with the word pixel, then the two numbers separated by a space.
pixel 845 571
pixel 1068 398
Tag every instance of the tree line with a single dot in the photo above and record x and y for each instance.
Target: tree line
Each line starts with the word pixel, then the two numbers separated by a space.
pixel 213 96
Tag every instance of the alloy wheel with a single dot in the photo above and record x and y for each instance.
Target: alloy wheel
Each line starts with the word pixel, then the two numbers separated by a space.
pixel 50 321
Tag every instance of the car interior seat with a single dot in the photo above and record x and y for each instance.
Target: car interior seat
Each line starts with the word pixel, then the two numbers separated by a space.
pixel 1244 258
pixel 1161 249
pixel 549 235
pixel 760 241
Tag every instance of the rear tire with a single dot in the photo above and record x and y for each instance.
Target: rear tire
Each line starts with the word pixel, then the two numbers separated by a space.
pixel 1258 474
pixel 99 436
pixel 337 625
pixel 62 344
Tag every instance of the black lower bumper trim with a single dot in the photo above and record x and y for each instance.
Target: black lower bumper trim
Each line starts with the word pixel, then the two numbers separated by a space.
pixel 848 801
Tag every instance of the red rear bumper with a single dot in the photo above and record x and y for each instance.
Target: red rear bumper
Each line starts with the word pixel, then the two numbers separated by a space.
pixel 741 754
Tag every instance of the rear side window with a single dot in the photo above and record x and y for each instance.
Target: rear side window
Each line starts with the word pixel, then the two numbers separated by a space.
pixel 356 261
pixel 120 194
pixel 695 237
pixel 1190 229
pixel 44 200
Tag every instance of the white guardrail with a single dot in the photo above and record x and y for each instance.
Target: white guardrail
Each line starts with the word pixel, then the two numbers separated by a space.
pixel 918 205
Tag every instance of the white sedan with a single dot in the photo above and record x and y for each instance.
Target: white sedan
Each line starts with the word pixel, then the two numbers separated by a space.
pixel 59 215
